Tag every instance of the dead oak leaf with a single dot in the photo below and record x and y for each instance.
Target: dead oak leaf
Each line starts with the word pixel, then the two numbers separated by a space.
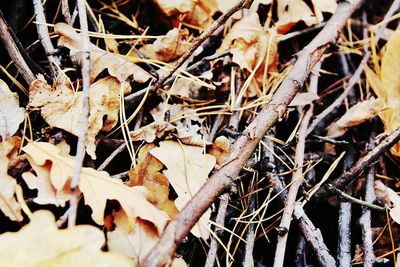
pixel 100 59
pixel 97 187
pixel 147 173
pixel 8 204
pixel 40 243
pixel 11 115
pixel 290 12
pixel 169 47
pixel 61 107
pixel 187 171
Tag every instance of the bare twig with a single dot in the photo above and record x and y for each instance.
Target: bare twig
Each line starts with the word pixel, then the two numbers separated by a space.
pixel 251 235
pixel 348 176
pixel 13 51
pixel 344 222
pixel 111 157
pixel 44 37
pixel 244 146
pixel 297 179
pixel 80 153
pixel 365 218
pixel 65 11
pixel 199 40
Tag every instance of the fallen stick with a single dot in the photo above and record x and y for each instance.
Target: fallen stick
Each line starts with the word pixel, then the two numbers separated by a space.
pixel 244 146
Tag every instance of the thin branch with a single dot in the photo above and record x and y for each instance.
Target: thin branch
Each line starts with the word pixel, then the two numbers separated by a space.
pixel 108 160
pixel 199 40
pixel 13 51
pixel 244 146
pixel 347 177
pixel 65 11
pixel 80 153
pixel 44 38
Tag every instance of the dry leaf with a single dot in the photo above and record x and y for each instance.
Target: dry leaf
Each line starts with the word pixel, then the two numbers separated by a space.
pixel 187 171
pixel 302 99
pixel 40 244
pixel 152 131
pixel 390 198
pixel 99 59
pixel 8 204
pixel 290 12
pixel 248 41
pixel 62 107
pixel 147 173
pixel 220 149
pixel 357 114
pixel 169 47
pixel 252 47
pixel 387 86
pixel 97 187
pixel 328 6
pixel 11 115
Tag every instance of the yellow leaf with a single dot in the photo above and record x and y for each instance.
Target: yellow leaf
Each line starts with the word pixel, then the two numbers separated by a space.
pixel 187 171
pixel 40 244
pixel 387 86
pixel 62 107
pixel 8 204
pixel 97 187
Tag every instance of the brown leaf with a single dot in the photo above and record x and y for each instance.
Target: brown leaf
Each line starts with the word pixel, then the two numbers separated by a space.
pixel 8 204
pixel 97 187
pixel 147 173
pixel 187 170
pixel 99 59
pixel 220 149
pixel 40 243
pixel 152 131
pixel 169 47
pixel 62 107
pixel 290 12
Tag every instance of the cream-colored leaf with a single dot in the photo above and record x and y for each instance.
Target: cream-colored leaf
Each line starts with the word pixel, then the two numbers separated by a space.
pixel 97 187
pixel 8 185
pixel 11 115
pixel 290 12
pixel 99 59
pixel 302 99
pixel 40 244
pixel 187 171
pixel 389 197
pixel 320 6
pixel 359 113
pixel 62 107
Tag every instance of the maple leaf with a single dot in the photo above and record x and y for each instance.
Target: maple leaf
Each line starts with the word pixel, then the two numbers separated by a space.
pixel 8 204
pixel 97 187
pixel 386 86
pixel 62 107
pixel 168 47
pixel 11 115
pixel 99 59
pixel 187 171
pixel 40 243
